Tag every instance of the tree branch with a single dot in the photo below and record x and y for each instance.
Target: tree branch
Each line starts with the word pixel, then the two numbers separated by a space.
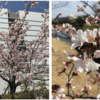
pixel 4 79
pixel 89 6
pixel 18 83
pixel 88 96
pixel 41 79
pixel 86 13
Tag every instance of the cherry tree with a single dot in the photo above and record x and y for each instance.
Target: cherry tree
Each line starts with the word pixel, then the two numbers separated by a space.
pixel 85 61
pixel 19 65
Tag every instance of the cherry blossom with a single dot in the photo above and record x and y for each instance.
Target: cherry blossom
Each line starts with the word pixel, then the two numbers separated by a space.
pixel 80 8
pixel 78 39
pixel 90 35
pixel 91 19
pixel 72 56
pixel 72 16
pixel 86 89
pixel 85 64
pixel 97 54
pixel 61 94
pixel 68 84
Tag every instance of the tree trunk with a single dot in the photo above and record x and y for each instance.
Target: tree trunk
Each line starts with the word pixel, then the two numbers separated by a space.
pixel 12 89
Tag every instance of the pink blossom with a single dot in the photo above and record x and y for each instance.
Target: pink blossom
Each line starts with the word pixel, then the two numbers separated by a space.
pixel 90 35
pixel 1 44
pixel 65 67
pixel 97 54
pixel 32 5
pixel 42 15
pixel 86 87
pixel 62 96
pixel 46 11
pixel 72 16
pixel 6 3
pixel 99 9
pixel 26 4
pixel 80 9
pixel 29 75
pixel 36 3
pixel 94 44
pixel 20 73
pixel 77 94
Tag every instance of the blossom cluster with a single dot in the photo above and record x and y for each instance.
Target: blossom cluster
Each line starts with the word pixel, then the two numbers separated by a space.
pixel 91 19
pixel 58 92
pixel 88 43
pixel 67 29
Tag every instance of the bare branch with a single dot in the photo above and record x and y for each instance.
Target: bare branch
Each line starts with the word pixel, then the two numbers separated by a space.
pixel 87 4
pixel 81 96
pixel 4 79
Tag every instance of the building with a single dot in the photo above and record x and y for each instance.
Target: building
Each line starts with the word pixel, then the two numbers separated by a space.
pixel 34 19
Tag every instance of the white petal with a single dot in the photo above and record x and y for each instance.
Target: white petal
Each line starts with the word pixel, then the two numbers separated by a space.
pixel 67 53
pixel 73 87
pixel 95 32
pixel 74 45
pixel 90 87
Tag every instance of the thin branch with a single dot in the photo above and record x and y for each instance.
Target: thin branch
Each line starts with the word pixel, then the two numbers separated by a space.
pixel 89 6
pixel 39 72
pixel 66 73
pixel 90 97
pixel 86 13
pixel 73 92
pixel 41 79
pixel 71 69
pixel 18 83
pixel 92 76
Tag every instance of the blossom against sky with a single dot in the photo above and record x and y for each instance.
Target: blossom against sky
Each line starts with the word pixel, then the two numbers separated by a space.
pixel 71 8
pixel 14 6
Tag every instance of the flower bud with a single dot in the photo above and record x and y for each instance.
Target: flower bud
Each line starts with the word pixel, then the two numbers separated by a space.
pixel 77 94
pixel 62 96
pixel 65 67
pixel 85 86
pixel 99 2
pixel 94 44
pixel 98 9
pixel 97 38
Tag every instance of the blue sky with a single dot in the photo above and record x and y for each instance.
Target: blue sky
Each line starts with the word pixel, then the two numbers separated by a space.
pixel 71 8
pixel 14 6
